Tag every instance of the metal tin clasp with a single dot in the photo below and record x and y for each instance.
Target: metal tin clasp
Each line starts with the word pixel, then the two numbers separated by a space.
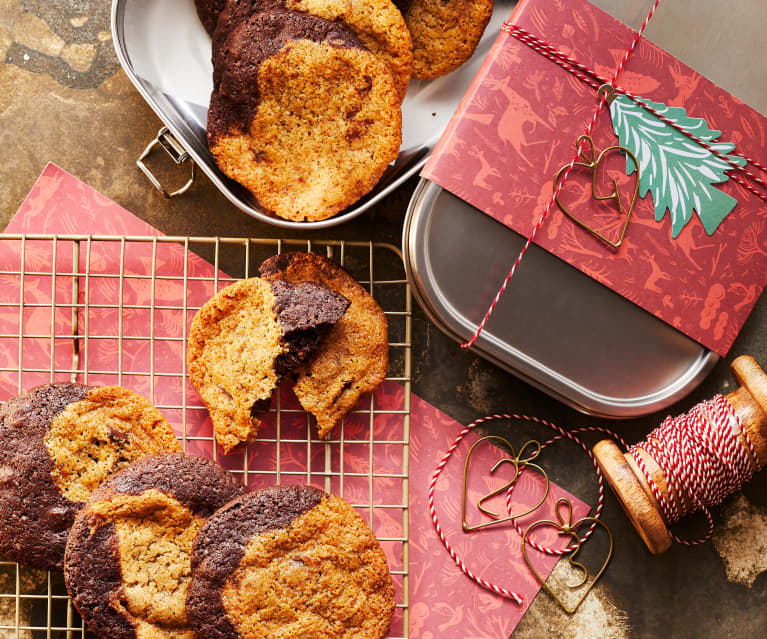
pixel 178 154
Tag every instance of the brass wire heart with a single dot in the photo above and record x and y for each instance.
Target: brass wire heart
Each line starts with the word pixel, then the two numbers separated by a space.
pixel 565 526
pixel 593 164
pixel 519 461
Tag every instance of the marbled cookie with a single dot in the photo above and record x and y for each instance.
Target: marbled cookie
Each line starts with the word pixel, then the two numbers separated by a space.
pixel 288 562
pixel 377 23
pixel 208 12
pixel 301 114
pixel 445 32
pixel 58 442
pixel 127 565
pixel 354 357
pixel 245 338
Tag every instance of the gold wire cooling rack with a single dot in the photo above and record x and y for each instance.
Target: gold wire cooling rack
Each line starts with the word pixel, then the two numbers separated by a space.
pixel 115 310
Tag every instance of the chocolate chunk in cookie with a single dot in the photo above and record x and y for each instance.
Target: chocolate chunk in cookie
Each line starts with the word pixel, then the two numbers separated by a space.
pixel 354 357
pixel 127 565
pixel 245 338
pixel 286 562
pixel 58 442
pixel 302 114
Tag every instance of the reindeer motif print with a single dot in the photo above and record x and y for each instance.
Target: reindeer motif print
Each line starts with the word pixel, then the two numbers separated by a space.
pixel 517 120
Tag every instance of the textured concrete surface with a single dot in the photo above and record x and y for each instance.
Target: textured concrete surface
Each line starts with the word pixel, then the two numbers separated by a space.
pixel 63 98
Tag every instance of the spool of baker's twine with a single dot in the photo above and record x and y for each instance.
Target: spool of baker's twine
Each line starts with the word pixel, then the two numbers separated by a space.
pixel 688 464
pixel 702 459
pixel 691 462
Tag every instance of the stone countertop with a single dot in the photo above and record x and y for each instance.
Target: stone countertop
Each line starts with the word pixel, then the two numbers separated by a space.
pixel 64 99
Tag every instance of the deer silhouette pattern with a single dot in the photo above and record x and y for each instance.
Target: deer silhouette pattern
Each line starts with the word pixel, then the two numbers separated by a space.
pixel 517 126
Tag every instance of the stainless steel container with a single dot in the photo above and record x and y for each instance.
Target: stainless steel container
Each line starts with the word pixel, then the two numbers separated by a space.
pixel 555 327
pixel 165 52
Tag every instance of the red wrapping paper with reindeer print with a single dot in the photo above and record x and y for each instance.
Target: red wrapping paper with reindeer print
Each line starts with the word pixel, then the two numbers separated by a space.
pixel 442 602
pixel 517 126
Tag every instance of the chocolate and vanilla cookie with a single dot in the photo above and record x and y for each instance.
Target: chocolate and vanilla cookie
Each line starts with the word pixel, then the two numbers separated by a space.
pixel 208 12
pixel 302 114
pixel 287 562
pixel 245 338
pixel 377 23
pixel 354 357
pixel 127 565
pixel 445 32
pixel 58 442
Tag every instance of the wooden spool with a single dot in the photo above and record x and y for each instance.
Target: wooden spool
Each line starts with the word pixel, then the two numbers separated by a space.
pixel 630 485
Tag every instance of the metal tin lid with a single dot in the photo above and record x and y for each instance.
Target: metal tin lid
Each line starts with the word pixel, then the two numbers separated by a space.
pixel 555 327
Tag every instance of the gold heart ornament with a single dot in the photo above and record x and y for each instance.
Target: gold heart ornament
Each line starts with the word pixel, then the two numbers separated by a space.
pixel 519 461
pixel 592 163
pixel 566 527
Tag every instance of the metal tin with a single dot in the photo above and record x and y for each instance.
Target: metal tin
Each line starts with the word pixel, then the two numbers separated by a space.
pixel 555 327
pixel 165 52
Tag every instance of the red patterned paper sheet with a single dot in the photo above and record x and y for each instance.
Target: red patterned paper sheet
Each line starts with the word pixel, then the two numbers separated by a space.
pixel 517 125
pixel 443 602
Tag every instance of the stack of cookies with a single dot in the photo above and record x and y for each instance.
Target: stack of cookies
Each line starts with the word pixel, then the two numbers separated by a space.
pixel 58 442
pixel 306 105
pixel 155 543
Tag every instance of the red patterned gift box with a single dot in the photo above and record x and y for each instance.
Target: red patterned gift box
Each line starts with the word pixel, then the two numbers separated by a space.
pixel 695 249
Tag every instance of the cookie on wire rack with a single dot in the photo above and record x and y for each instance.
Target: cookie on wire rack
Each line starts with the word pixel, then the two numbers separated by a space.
pixel 58 442
pixel 302 114
pixel 354 358
pixel 245 338
pixel 287 562
pixel 378 24
pixel 127 565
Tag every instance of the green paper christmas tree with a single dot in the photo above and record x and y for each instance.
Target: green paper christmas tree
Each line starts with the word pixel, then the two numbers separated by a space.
pixel 679 172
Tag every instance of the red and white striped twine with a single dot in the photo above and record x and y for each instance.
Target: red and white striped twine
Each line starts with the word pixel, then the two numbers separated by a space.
pixel 702 459
pixel 705 456
pixel 595 80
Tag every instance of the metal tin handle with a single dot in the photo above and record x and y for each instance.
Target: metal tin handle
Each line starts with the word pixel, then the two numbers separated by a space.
pixel 178 154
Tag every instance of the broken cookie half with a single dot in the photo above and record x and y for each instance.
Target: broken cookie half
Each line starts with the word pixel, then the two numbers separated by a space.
pixel 245 338
pixel 354 358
